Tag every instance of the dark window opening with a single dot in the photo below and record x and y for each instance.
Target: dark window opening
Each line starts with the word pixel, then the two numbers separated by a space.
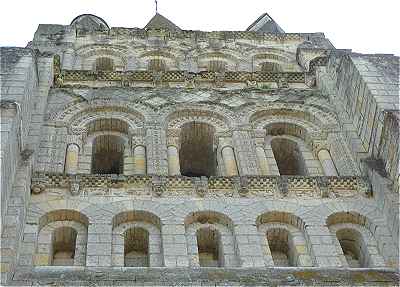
pixel 278 241
pixel 104 64
pixel 136 247
pixel 208 244
pixel 197 154
pixel 108 155
pixel 270 67
pixel 157 65
pixel 64 241
pixel 216 66
pixel 288 157
pixel 351 244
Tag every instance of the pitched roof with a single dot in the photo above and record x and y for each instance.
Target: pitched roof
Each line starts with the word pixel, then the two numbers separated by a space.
pixel 265 24
pixel 160 22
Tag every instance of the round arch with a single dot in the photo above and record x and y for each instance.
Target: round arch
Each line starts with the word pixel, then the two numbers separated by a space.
pixel 284 239
pixel 63 215
pixel 218 117
pixel 79 114
pixel 314 116
pixel 136 239
pixel 210 239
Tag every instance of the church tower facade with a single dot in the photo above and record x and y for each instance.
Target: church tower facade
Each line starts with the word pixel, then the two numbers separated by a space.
pixel 164 156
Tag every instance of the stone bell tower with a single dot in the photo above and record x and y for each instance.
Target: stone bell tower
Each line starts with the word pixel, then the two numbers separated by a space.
pixel 164 156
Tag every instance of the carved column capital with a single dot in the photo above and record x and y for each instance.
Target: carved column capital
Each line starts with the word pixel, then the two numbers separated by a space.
pixel 318 145
pixel 259 133
pixel 174 141
pixel 224 142
pixel 76 135
pixel 138 137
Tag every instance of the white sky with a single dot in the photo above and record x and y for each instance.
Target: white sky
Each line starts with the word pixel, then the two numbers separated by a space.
pixel 366 26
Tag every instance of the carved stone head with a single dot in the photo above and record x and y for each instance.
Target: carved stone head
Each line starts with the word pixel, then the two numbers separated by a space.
pixel 37 188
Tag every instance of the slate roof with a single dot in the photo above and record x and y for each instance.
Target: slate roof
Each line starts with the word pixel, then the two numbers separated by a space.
pixel 265 24
pixel 160 22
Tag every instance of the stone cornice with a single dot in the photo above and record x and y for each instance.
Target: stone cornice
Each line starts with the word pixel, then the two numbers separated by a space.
pixel 125 78
pixel 254 186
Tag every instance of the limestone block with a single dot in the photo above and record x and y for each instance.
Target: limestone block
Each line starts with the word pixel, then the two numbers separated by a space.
pixel 139 155
pixel 92 260
pixel 170 261
pixel 301 249
pixel 41 260
pixel 326 261
pixel 229 161
pixel 104 261
pixel 182 261
pixel 173 161
pixel 304 261
pixel 324 250
pixel 4 267
pixel 118 260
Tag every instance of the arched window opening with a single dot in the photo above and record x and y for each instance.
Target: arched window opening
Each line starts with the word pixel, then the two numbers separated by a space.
pixel 136 247
pixel 108 155
pixel 104 64
pixel 63 245
pixel 108 124
pixel 280 246
pixel 157 65
pixel 209 247
pixel 216 66
pixel 197 154
pixel 288 157
pixel 270 67
pixel 206 245
pixel 351 243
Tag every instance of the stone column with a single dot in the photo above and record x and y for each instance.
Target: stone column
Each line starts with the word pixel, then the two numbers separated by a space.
pixel 327 163
pixel 228 156
pixel 260 152
pixel 139 157
pixel 71 159
pixel 173 161
pixel 262 159
pixel 128 160
pixel 272 165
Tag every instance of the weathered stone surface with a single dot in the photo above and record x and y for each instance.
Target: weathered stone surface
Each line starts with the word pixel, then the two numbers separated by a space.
pixel 73 276
pixel 302 158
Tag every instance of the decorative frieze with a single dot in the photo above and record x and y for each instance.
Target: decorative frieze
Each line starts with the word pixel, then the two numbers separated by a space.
pixel 190 80
pixel 170 186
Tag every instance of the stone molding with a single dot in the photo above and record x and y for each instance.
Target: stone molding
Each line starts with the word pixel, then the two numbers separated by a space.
pixel 87 185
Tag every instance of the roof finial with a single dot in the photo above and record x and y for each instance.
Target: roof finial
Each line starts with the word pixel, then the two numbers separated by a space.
pixel 156 6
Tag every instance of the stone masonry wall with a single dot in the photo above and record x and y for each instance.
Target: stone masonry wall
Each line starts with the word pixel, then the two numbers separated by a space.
pixel 22 108
pixel 364 88
pixel 337 111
